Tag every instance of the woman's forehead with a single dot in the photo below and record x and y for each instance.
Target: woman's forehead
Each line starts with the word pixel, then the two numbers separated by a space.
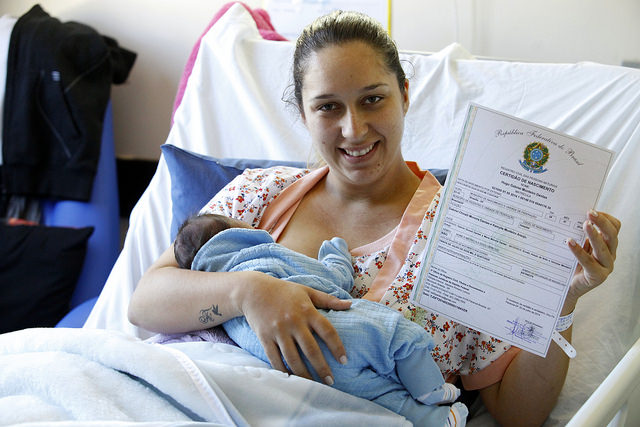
pixel 352 65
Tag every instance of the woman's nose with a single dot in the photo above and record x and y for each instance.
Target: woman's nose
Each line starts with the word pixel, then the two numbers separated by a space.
pixel 354 125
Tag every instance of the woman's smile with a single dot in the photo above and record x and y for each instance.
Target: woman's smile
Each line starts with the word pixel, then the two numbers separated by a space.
pixel 359 153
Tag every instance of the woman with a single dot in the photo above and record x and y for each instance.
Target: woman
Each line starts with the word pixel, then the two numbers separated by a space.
pixel 352 95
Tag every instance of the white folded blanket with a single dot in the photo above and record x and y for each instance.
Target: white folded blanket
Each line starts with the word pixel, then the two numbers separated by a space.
pixel 77 376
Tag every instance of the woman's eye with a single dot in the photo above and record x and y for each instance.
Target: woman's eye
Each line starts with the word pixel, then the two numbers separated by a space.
pixel 327 107
pixel 373 99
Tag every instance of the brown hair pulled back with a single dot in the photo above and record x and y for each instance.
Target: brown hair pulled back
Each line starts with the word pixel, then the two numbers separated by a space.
pixel 337 28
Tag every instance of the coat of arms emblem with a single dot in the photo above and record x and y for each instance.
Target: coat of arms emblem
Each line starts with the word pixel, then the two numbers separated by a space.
pixel 535 156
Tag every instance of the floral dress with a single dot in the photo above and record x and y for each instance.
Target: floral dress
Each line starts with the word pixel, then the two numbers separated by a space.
pixel 458 350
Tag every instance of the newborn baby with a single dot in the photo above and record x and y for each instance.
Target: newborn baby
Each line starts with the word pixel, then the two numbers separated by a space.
pixel 389 359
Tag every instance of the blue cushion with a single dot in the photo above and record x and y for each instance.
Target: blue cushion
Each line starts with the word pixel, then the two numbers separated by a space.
pixel 100 212
pixel 440 175
pixel 196 178
pixel 78 315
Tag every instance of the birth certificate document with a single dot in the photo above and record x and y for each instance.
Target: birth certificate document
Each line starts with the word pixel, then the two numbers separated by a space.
pixel 497 259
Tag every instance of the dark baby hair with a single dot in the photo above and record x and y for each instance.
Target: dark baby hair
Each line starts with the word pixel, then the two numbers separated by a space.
pixel 194 233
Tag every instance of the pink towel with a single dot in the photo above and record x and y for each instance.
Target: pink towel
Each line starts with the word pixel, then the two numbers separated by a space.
pixel 263 22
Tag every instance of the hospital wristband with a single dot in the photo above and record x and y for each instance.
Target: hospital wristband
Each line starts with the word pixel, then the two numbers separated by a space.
pixel 564 322
pixel 564 344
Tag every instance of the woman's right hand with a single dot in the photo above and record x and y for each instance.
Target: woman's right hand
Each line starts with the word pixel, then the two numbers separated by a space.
pixel 284 316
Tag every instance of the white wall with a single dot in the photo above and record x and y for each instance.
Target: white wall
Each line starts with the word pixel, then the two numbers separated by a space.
pixel 543 31
pixel 162 32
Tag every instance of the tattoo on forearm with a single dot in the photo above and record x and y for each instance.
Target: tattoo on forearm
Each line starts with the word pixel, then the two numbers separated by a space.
pixel 206 315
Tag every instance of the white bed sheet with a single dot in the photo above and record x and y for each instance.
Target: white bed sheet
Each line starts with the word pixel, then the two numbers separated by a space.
pixel 232 107
pixel 72 376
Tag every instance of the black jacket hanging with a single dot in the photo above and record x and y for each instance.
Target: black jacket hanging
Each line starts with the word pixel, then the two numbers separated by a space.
pixel 59 79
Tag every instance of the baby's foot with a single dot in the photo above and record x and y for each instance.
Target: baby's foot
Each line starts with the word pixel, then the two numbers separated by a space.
pixel 447 393
pixel 457 415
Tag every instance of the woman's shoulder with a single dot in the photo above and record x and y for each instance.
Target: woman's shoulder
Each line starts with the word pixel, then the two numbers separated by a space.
pixel 249 193
pixel 279 176
pixel 265 183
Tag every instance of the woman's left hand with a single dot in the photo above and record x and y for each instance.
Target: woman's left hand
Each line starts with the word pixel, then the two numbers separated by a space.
pixel 531 384
pixel 597 256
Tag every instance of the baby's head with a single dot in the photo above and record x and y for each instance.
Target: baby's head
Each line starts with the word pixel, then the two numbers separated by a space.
pixel 196 231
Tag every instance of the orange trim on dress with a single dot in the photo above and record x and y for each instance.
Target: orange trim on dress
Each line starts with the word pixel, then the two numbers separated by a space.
pixel 277 215
pixel 405 234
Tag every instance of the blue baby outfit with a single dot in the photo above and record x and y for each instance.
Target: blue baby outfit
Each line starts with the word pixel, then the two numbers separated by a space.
pixel 389 356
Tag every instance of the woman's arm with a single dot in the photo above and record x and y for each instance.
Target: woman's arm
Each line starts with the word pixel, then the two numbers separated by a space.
pixel 531 384
pixel 282 314
pixel 529 388
pixel 172 300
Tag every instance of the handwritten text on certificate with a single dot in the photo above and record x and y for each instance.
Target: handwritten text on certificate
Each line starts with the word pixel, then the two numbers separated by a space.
pixel 497 259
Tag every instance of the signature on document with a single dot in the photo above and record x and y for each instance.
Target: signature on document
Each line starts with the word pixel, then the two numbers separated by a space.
pixel 523 330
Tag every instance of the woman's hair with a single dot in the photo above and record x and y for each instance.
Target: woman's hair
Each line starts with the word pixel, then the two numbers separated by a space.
pixel 337 28
pixel 194 233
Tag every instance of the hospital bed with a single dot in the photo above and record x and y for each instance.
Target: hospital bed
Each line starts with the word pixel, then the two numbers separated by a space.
pixel 229 116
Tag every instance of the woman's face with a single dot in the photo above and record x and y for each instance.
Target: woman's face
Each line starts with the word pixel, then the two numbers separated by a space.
pixel 354 110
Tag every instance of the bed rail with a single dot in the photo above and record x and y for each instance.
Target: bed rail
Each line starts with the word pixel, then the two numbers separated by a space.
pixel 608 403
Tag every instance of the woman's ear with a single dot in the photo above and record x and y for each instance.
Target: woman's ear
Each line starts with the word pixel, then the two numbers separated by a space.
pixel 405 101
pixel 300 109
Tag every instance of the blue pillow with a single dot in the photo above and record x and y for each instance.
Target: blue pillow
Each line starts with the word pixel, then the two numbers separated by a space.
pixel 196 178
pixel 440 175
